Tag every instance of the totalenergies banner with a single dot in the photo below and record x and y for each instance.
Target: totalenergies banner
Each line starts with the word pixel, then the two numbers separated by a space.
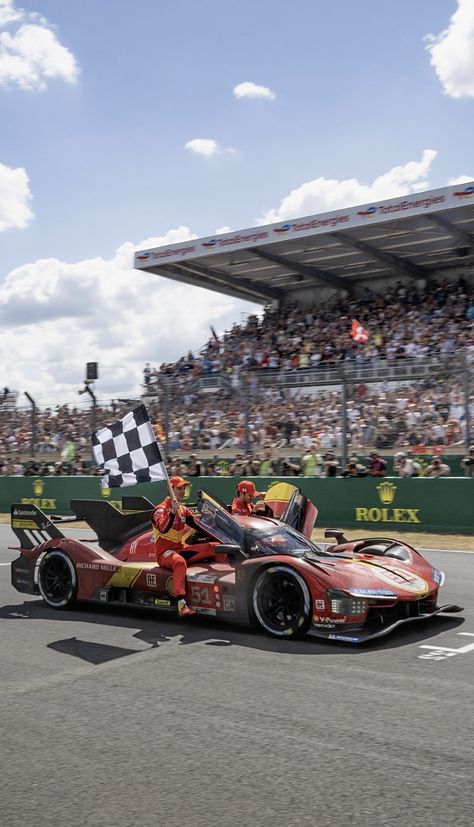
pixel 391 504
pixel 382 211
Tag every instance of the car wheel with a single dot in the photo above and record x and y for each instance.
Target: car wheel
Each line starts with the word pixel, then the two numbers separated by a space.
pixel 281 602
pixel 57 580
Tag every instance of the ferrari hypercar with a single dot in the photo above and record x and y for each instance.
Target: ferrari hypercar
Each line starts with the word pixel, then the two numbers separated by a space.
pixel 261 571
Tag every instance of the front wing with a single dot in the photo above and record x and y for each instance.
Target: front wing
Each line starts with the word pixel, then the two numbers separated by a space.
pixel 371 633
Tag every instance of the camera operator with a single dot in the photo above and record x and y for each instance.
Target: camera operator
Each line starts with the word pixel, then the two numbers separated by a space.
pixel 468 462
pixel 406 467
pixel 355 469
pixel 436 468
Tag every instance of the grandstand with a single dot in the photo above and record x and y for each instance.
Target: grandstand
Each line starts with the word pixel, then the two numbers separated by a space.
pixel 412 238
pixel 291 377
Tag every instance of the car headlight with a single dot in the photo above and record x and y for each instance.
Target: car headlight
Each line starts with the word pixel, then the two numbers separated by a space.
pixel 343 604
pixel 439 577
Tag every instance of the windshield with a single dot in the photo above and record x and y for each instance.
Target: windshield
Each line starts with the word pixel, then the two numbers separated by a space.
pixel 280 539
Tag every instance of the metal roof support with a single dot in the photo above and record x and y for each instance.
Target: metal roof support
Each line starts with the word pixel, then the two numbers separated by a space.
pixel 212 279
pixel 457 232
pixel 403 265
pixel 308 270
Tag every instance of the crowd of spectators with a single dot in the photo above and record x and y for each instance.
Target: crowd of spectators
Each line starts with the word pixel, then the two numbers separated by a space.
pixel 404 322
pixel 274 426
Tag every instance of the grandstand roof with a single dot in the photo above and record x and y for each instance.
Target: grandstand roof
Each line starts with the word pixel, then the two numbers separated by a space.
pixel 416 235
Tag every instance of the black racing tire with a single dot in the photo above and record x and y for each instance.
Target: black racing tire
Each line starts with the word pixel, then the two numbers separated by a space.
pixel 280 602
pixel 57 580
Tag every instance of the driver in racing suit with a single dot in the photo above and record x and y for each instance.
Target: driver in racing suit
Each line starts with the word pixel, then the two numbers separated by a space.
pixel 171 523
pixel 242 503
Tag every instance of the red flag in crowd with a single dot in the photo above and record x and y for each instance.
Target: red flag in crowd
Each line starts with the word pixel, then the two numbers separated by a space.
pixel 359 333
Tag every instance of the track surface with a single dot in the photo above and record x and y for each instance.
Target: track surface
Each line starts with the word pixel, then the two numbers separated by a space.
pixel 123 718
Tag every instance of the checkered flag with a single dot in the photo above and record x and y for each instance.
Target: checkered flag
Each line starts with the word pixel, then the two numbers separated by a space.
pixel 128 451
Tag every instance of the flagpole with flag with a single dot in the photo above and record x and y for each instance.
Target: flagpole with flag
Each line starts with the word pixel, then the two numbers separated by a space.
pixel 129 452
pixel 358 332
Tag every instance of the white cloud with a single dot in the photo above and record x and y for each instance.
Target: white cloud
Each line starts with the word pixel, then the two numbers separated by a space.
pixel 222 230
pixel 203 146
pixel 248 89
pixel 56 316
pixel 15 197
pixel 9 14
pixel 452 52
pixel 32 55
pixel 460 179
pixel 324 194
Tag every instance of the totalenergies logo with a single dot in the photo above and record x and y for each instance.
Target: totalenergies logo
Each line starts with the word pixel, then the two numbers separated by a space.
pixel 368 213
pixel 467 192
pixel 211 243
pixel 283 229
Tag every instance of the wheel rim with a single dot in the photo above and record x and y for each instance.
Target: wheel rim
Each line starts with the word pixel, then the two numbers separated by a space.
pixel 280 603
pixel 56 579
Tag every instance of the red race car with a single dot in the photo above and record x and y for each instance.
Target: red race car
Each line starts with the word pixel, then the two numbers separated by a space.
pixel 261 571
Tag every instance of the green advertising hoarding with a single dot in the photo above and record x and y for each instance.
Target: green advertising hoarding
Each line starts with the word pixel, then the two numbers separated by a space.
pixel 391 504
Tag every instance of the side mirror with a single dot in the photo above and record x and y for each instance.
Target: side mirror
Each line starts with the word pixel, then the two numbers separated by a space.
pixel 233 552
pixel 338 535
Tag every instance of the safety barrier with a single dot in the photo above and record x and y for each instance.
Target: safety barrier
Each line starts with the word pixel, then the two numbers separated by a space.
pixel 435 505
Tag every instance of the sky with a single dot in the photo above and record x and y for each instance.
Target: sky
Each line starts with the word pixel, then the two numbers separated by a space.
pixel 126 126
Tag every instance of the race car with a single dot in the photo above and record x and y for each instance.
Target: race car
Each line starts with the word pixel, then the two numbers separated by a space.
pixel 261 571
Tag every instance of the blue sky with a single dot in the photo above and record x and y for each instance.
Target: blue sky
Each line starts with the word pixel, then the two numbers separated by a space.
pixel 98 101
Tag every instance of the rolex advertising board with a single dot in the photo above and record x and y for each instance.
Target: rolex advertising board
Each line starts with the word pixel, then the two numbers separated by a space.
pixel 389 504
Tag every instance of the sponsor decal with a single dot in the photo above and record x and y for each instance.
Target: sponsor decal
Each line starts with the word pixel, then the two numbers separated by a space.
pixel 386 491
pixel 161 601
pixel 324 621
pixel 371 593
pixel 151 581
pixel 407 581
pixel 24 524
pixel 283 229
pixel 24 512
pixel 344 637
pixel 319 604
pixel 467 192
pixel 211 243
pixel 201 578
pixel 368 213
pixel 229 604
pixel 96 566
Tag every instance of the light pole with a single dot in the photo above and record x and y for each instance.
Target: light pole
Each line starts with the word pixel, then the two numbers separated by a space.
pixel 33 422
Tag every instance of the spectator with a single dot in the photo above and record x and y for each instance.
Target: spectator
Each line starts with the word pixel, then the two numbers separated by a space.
pixel 468 462
pixel 437 468
pixel 378 466
pixel 330 464
pixel 355 468
pixel 405 466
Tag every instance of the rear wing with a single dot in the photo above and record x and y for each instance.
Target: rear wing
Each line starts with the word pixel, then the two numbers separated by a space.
pixel 32 526
pixel 114 527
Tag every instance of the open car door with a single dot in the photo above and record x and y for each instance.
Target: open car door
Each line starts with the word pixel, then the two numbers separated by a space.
pixel 216 520
pixel 292 507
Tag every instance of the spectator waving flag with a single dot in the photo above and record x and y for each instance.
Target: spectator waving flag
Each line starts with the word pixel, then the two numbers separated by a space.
pixel 128 451
pixel 359 333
